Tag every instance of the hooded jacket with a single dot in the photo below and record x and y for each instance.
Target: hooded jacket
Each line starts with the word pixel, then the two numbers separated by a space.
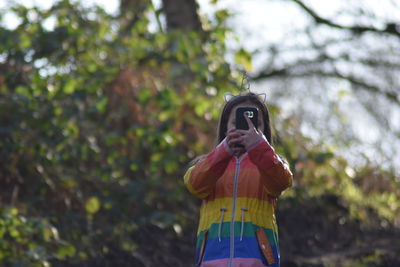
pixel 237 216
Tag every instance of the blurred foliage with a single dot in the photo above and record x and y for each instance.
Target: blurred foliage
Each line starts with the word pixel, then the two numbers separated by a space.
pixel 319 170
pixel 97 126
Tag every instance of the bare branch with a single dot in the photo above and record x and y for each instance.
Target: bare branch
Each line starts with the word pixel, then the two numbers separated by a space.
pixel 391 28
pixel 358 83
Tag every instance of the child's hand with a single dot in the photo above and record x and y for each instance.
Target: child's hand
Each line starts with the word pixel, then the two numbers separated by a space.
pixel 250 136
pixel 234 138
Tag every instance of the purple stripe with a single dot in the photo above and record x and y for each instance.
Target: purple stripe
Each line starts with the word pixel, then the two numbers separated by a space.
pixel 237 262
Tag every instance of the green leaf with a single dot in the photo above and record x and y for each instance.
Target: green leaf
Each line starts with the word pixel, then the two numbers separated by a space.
pixel 70 86
pixel 242 57
pixel 14 233
pixel 25 41
pixel 92 205
pixel 134 166
pixel 47 234
pixel 222 15
pixel 2 229
pixel 66 251
pixel 101 104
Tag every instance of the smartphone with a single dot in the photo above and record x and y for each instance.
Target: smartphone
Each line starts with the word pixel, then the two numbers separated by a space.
pixel 250 112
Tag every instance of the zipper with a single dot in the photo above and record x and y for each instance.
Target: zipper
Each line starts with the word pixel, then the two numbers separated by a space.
pixel 220 223
pixel 232 224
pixel 244 209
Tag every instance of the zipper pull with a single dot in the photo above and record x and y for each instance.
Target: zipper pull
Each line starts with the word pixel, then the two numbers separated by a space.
pixel 242 226
pixel 220 223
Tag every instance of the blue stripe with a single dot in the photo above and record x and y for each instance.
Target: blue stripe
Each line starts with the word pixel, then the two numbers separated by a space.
pixel 249 230
pixel 247 248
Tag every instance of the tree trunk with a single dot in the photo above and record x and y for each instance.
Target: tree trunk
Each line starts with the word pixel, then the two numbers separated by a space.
pixel 182 15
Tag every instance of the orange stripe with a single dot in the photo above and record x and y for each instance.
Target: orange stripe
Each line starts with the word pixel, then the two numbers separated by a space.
pixel 189 186
pixel 252 183
pixel 249 185
pixel 281 178
pixel 265 246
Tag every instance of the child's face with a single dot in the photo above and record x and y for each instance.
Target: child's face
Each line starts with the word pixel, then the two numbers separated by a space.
pixel 232 117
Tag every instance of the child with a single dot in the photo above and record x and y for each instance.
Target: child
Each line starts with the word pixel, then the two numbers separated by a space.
pixel 239 182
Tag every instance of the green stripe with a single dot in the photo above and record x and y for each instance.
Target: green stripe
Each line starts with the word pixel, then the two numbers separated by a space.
pixel 249 230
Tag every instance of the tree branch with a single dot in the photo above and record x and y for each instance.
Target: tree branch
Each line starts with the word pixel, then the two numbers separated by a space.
pixel 391 28
pixel 288 72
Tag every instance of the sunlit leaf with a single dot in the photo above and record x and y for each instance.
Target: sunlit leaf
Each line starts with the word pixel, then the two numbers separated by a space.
pixel 66 251
pixel 70 86
pixel 242 57
pixel 92 205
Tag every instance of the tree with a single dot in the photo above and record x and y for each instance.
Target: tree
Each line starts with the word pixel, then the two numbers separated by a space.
pixel 97 127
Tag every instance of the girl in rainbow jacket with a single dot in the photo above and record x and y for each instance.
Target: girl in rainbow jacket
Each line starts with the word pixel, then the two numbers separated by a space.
pixel 239 182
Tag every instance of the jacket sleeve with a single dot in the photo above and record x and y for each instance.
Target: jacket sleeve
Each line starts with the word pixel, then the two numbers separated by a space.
pixel 276 175
pixel 200 179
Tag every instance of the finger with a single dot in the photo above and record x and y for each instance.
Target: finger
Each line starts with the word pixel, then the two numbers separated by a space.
pixel 232 141
pixel 233 135
pixel 242 132
pixel 250 123
pixel 236 140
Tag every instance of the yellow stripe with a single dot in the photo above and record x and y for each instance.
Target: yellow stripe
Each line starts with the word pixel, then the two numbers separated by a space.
pixel 258 212
pixel 186 180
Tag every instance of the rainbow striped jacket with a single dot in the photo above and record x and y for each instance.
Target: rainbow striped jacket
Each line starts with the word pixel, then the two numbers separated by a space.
pixel 237 220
